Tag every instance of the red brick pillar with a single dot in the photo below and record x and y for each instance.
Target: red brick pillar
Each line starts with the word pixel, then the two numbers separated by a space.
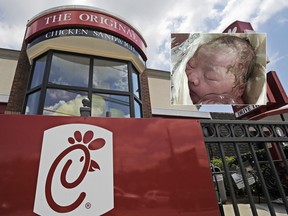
pixel 20 82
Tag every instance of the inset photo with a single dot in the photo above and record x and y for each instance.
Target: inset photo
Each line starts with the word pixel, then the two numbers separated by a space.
pixel 218 68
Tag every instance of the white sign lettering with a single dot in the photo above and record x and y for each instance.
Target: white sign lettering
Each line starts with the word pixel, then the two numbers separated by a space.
pixel 245 110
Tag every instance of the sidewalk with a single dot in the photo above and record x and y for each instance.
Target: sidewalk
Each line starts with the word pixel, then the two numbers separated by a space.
pixel 262 209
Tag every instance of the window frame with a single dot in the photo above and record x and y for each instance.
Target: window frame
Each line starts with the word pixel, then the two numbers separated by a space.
pixel 90 90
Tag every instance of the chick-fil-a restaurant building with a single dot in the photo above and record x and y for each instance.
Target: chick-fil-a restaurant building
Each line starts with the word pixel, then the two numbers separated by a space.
pixel 55 162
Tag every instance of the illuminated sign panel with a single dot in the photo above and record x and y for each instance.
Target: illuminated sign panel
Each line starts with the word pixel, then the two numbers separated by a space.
pixel 87 33
pixel 239 27
pixel 81 166
pixel 86 19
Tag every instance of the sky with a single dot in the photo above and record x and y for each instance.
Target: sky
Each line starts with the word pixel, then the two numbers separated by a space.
pixel 155 20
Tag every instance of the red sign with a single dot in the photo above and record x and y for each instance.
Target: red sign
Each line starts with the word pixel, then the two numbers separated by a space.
pixel 276 98
pixel 238 27
pixel 77 164
pixel 86 18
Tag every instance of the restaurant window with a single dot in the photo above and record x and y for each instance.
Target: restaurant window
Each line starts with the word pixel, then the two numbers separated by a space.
pixel 38 74
pixel 69 70
pixel 110 105
pixel 111 75
pixel 32 103
pixel 60 81
pixel 63 102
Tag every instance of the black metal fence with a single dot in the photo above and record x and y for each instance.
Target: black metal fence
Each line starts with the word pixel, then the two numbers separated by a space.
pixel 248 163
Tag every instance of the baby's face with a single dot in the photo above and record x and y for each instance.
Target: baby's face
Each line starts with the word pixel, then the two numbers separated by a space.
pixel 207 73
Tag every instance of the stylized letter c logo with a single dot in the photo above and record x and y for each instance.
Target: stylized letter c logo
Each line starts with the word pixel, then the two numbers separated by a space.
pixel 48 186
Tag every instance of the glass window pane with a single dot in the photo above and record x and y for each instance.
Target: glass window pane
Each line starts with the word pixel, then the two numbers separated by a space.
pixel 110 75
pixel 32 103
pixel 138 111
pixel 135 79
pixel 38 72
pixel 69 70
pixel 62 102
pixel 110 105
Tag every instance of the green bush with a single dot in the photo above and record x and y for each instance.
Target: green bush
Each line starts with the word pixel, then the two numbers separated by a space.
pixel 218 161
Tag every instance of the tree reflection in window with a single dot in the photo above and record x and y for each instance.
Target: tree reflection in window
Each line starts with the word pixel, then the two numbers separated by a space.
pixel 62 102
pixel 110 105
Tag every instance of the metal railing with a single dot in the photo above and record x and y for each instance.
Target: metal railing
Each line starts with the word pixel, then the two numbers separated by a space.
pixel 251 156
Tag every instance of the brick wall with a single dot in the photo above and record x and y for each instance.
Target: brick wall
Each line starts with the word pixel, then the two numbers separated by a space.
pixel 147 113
pixel 19 86
pixel 2 108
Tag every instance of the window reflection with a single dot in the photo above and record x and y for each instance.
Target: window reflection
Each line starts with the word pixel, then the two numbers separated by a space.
pixel 110 75
pixel 32 103
pixel 38 73
pixel 71 77
pixel 135 79
pixel 110 105
pixel 137 107
pixel 69 70
pixel 62 102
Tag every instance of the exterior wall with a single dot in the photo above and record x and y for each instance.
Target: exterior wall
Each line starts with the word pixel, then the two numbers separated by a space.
pixel 2 108
pixel 19 86
pixel 159 82
pixel 280 114
pixel 279 117
pixel 68 29
pixel 8 62
pixel 51 30
pixel 159 86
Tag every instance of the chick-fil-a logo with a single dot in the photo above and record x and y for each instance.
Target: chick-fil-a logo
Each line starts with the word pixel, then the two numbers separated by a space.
pixel 76 171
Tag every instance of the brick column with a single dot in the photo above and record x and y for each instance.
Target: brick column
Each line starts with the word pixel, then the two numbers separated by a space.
pixel 20 82
pixel 146 104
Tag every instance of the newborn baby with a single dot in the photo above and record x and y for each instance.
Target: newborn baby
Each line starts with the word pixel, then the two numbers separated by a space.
pixel 218 71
